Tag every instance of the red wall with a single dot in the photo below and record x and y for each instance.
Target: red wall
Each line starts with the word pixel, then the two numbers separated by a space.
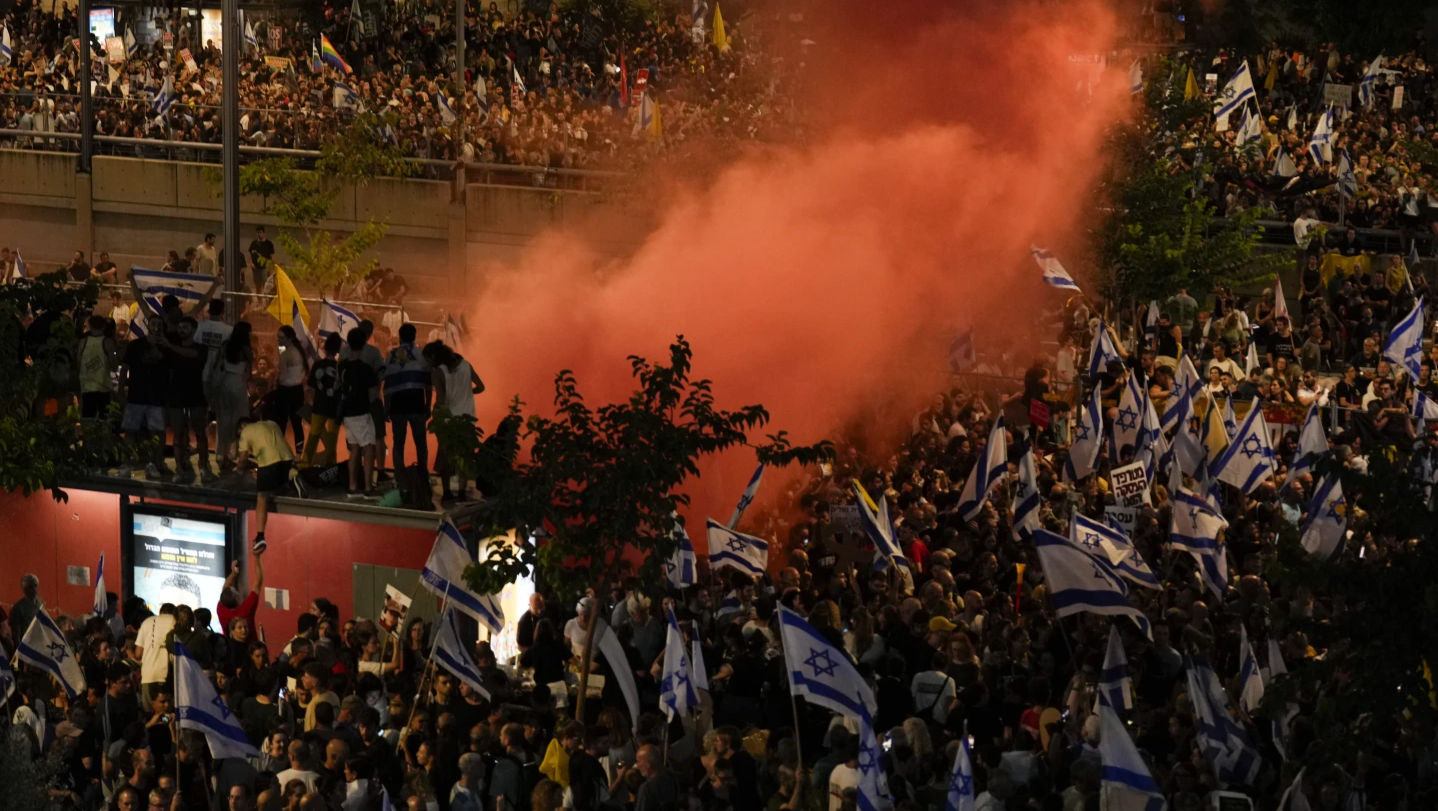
pixel 311 557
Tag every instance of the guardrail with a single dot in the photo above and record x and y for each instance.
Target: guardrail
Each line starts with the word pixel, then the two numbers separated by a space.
pixel 1276 233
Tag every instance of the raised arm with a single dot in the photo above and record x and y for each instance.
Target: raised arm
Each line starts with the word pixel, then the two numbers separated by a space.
pixel 204 301
pixel 140 297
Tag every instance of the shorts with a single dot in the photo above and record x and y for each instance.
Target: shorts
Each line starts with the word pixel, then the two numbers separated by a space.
pixel 359 431
pixel 274 478
pixel 139 416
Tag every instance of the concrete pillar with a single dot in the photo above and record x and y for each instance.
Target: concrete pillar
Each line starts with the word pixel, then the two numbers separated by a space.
pixel 85 214
pixel 459 273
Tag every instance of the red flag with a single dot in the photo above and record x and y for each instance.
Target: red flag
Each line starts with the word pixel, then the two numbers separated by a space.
pixel 623 82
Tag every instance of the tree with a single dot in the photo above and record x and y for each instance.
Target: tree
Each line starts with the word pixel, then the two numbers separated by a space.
pixel 38 328
pixel 602 485
pixel 303 199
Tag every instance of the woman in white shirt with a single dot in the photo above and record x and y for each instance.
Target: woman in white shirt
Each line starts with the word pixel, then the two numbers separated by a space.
pixel 455 384
pixel 290 373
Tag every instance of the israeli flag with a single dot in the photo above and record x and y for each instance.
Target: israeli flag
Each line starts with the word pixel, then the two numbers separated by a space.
pixel 1370 78
pixel 1283 165
pixel 679 569
pixel 131 46
pixel 1347 180
pixel 880 529
pixel 961 796
pixel 1250 131
pixel 821 673
pixel 1188 449
pixel 44 647
pixel 199 707
pixel 1248 461
pixel 1026 495
pixel 1111 547
pixel 164 99
pixel 1327 521
pixel 1238 91
pixel 676 686
pixel 1224 742
pixel 452 654
pixel 446 112
pixel 608 645
pixel 481 94
pixel 1424 407
pixel 101 602
pixel 443 574
pixel 1088 439
pixel 750 490
pixel 1320 146
pixel 345 97
pixel 335 320
pixel 1115 686
pixel 7 52
pixel 873 791
pixel 1126 421
pixel 189 288
pixel 700 673
pixel 7 677
pixel 735 550
pixel 1100 352
pixel 1053 270
pixel 1250 681
pixel 1195 528
pixel 1230 422
pixel 516 79
pixel 1125 781
pixel 1312 443
pixel 1080 582
pixel 1186 385
pixel 987 472
pixel 1405 343
pixel 250 38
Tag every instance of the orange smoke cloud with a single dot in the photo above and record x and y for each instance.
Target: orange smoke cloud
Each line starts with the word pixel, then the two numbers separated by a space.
pixel 826 281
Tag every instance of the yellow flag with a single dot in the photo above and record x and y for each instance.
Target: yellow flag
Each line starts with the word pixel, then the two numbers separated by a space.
pixel 1214 435
pixel 721 39
pixel 1271 79
pixel 1190 89
pixel 864 494
pixel 656 120
pixel 287 301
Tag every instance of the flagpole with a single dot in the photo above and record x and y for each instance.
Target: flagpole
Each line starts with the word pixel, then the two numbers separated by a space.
pixel 794 708
pixel 433 644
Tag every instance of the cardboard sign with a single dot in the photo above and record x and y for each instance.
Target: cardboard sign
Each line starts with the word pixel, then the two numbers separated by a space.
pixel 1398 97
pixel 845 518
pixel 168 40
pixel 277 62
pixel 115 49
pixel 1039 413
pixel 188 59
pixel 1130 486
pixel 1339 95
pixel 275 36
pixel 1126 517
pixel 396 608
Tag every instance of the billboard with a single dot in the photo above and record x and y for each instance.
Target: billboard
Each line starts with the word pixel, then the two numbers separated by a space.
pixel 176 555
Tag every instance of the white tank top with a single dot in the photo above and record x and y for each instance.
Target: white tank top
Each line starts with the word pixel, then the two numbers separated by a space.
pixel 458 397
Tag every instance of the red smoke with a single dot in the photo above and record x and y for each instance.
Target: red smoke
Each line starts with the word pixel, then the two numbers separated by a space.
pixel 827 280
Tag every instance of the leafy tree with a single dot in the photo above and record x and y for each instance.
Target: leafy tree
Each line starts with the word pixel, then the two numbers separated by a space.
pixel 38 329
pixel 303 199
pixel 603 485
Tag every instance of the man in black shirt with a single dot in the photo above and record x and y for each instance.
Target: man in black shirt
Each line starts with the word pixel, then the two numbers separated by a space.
pixel 359 388
pixel 143 380
pixel 185 406
pixel 1280 343
pixel 262 250
pixel 524 634
pixel 79 269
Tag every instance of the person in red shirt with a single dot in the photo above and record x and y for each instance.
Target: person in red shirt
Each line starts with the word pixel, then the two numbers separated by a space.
pixel 231 605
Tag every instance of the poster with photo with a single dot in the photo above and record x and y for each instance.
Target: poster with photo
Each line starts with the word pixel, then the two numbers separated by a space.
pixel 396 608
pixel 178 560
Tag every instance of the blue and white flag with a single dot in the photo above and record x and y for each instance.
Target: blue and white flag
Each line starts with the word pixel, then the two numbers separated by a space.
pixel 1080 582
pixel 700 671
pixel 1312 445
pixel 1248 461
pixel 1150 324
pixel 1237 92
pixel 1054 273
pixel 1250 679
pixel 1026 495
pixel 22 271
pixel 1370 78
pixel 735 550
pixel 1320 146
pixel 676 686
pixel 443 574
pixel 1188 448
pixel 1125 781
pixel 1100 352
pixel 679 569
pixel 516 79
pixel 101 602
pixel 873 791
pixel 1424 407
pixel 250 39
pixel 1405 343
pixel 446 110
pixel 44 646
pixel 1088 439
pixel 1115 686
pixel 164 99
pixel 345 97
pixel 1347 180
pixel 131 46
pixel 1326 527
pixel 987 472
pixel 1412 260
pixel 7 676
pixel 1186 386
pixel 481 95
pixel 199 706
pixel 452 654
pixel 1195 527
pixel 880 529
pixel 1224 742
pixel 154 285
pixel 1126 420
pixel 820 672
pixel 1135 77
pixel 1112 547
pixel 335 320
pixel 1230 422
pixel 7 52
pixel 961 795
pixel 1283 165
pixel 750 490
pixel 1250 131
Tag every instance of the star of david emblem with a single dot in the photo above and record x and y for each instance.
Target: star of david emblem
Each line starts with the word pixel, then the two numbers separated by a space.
pixel 669 566
pixel 736 545
pixel 1082 431
pixel 821 663
pixel 867 759
pixel 1090 540
pixel 1127 419
pixel 58 651
pixel 1193 513
pixel 1097 572
pixel 963 784
pixel 1336 509
pixel 1252 447
pixel 220 705
pixel 680 680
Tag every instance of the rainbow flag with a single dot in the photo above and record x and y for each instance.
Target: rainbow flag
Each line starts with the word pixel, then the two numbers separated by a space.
pixel 330 55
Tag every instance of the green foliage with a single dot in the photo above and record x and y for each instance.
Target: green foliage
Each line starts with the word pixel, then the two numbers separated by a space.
pixel 605 483
pixel 38 452
pixel 303 199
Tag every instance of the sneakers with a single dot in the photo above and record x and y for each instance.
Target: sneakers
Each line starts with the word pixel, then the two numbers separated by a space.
pixel 354 495
pixel 260 545
pixel 299 484
pixel 208 477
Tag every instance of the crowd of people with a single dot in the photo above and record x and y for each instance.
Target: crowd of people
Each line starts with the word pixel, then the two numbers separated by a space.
pixel 1388 135
pixel 544 87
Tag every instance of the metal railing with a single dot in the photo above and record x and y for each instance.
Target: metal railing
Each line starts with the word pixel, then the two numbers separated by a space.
pixel 1277 233
pixel 492 174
